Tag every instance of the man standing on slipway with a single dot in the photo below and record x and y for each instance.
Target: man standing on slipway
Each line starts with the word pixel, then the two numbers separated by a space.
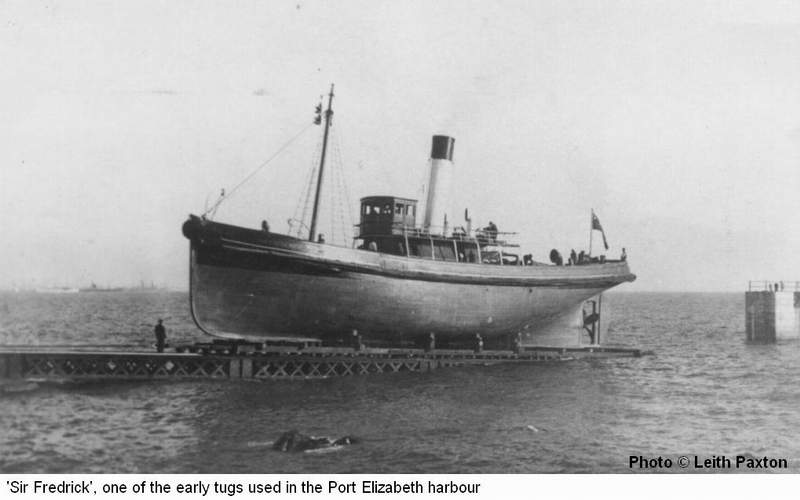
pixel 161 335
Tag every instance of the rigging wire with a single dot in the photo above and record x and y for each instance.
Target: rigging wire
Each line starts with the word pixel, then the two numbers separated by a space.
pixel 334 196
pixel 224 197
pixel 348 223
pixel 335 200
pixel 338 204
pixel 306 200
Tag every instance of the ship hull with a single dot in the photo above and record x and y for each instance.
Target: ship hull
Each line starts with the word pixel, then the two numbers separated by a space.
pixel 253 285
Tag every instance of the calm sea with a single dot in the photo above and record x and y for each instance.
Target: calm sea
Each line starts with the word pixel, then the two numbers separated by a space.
pixel 704 392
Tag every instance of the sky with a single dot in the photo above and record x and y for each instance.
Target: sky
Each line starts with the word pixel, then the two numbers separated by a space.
pixel 677 122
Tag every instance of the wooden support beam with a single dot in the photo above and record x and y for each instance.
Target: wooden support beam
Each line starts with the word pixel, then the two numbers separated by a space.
pixel 270 363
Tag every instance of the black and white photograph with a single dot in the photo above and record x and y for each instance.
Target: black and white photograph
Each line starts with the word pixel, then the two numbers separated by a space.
pixel 380 237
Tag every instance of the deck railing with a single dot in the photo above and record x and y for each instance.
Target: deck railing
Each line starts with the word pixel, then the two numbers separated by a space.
pixel 437 233
pixel 773 286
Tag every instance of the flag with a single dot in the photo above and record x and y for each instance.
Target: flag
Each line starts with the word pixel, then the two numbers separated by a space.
pixel 596 226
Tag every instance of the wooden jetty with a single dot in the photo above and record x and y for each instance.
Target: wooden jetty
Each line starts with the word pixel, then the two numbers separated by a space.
pixel 220 360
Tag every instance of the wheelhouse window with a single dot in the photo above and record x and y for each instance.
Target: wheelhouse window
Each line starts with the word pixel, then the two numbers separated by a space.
pixel 370 209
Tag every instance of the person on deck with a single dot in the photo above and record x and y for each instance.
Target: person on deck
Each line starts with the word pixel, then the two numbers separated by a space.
pixel 491 231
pixel 161 335
pixel 573 257
pixel 624 255
pixel 555 257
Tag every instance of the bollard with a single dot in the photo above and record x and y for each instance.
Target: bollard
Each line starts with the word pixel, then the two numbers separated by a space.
pixel 478 343
pixel 518 344
pixel 357 341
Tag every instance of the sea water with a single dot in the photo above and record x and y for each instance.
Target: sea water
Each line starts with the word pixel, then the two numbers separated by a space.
pixel 705 392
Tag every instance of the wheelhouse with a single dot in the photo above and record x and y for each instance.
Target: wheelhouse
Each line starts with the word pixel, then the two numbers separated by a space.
pixel 388 225
pixel 386 215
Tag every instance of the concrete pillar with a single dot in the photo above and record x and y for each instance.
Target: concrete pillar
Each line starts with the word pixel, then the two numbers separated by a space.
pixel 760 316
pixel 787 315
pixel 770 315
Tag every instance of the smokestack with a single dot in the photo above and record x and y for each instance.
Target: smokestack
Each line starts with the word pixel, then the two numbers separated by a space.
pixel 439 184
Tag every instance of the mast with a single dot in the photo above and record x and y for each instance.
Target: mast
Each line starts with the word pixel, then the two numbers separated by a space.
pixel 328 114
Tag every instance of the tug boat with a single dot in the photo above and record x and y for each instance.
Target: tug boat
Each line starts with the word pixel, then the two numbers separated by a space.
pixel 400 283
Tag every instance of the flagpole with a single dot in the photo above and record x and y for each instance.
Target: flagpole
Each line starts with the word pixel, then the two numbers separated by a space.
pixel 591 225
pixel 600 311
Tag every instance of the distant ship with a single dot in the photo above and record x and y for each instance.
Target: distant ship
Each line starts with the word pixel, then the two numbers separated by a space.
pixel 142 288
pixel 400 282
pixel 56 289
pixel 95 288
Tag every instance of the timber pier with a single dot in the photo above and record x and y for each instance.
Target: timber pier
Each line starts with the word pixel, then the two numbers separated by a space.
pixel 243 361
